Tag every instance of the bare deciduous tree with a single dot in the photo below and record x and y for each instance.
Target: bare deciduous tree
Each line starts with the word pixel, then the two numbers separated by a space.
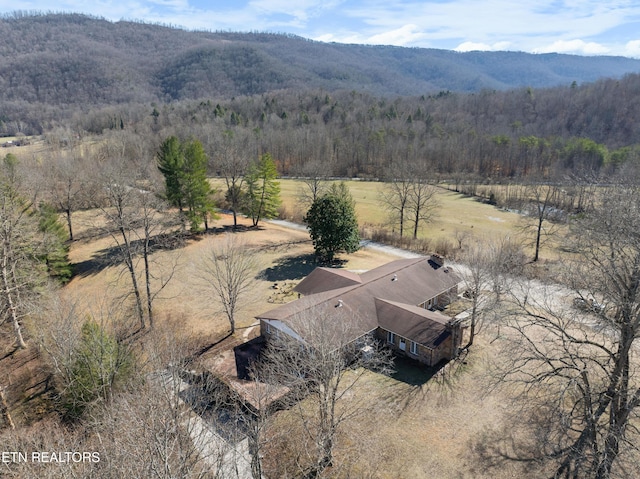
pixel 322 366
pixel 7 421
pixel 134 220
pixel 542 215
pixel 314 176
pixel 422 203
pixel 581 363
pixel 479 260
pixel 67 183
pixel 121 219
pixel 231 158
pixel 396 193
pixel 229 269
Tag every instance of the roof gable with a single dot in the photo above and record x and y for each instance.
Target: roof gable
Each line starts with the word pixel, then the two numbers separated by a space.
pixel 422 326
pixel 327 279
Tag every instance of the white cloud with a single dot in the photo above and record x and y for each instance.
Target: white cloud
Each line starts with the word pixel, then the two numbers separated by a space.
pixel 473 46
pixel 345 37
pixel 576 46
pixel 632 49
pixel 301 10
pixel 400 36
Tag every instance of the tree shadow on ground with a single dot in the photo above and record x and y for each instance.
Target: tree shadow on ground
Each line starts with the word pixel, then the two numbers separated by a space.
pixel 441 378
pixel 247 354
pixel 414 373
pixel 113 255
pixel 216 230
pixel 289 268
pixel 521 444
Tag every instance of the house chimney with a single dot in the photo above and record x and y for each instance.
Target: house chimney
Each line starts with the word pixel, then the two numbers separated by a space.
pixel 437 260
pixel 395 277
pixel 339 305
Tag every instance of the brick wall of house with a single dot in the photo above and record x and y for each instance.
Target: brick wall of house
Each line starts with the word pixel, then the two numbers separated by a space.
pixel 425 355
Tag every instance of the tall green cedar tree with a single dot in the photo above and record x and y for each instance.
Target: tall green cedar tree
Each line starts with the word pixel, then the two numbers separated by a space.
pixel 171 164
pixel 54 237
pixel 263 191
pixel 184 166
pixel 197 191
pixel 333 225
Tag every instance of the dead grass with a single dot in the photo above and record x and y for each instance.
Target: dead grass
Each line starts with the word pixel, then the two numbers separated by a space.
pixel 284 255
pixel 457 212
pixel 458 218
pixel 416 424
pixel 446 423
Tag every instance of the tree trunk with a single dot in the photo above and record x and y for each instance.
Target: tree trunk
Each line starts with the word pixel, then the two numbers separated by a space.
pixel 68 212
pixel 147 278
pixel 4 410
pixel 134 280
pixel 11 306
pixel 538 234
pixel 472 326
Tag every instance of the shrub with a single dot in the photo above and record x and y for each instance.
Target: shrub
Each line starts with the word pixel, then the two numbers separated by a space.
pixel 101 363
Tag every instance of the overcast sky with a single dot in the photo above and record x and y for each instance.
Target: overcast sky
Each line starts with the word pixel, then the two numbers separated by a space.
pixel 585 27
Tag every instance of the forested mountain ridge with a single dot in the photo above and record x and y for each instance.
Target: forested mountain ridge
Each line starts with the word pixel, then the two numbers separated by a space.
pixel 62 59
pixel 353 108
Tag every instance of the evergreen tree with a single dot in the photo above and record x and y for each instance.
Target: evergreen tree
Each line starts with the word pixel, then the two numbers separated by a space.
pixel 55 236
pixel 196 190
pixel 333 226
pixel 22 269
pixel 263 191
pixel 184 166
pixel 100 364
pixel 171 164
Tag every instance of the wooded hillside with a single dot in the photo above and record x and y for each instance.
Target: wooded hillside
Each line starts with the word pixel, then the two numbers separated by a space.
pixel 59 61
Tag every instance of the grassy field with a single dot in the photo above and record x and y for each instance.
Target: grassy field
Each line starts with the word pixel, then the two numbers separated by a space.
pixel 456 213
pixel 458 217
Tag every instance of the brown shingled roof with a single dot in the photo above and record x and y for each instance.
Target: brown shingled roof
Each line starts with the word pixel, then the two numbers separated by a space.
pixel 326 279
pixel 401 285
pixel 422 326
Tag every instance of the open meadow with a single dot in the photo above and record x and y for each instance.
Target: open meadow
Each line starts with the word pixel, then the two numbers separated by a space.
pixel 457 219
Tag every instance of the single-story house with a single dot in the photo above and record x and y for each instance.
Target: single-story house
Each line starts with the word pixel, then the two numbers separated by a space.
pixel 398 302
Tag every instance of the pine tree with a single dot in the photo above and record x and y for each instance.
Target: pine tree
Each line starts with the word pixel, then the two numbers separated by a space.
pixel 22 270
pixel 171 164
pixel 263 191
pixel 56 249
pixel 184 166
pixel 195 185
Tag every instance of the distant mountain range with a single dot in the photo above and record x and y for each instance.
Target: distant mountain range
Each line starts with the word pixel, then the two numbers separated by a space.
pixel 73 59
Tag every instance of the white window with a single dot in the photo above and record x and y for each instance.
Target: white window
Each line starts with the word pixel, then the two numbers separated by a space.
pixel 268 328
pixel 391 337
pixel 403 344
pixel 414 348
